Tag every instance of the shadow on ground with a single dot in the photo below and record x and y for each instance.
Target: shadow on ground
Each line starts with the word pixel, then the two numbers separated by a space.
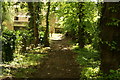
pixel 59 63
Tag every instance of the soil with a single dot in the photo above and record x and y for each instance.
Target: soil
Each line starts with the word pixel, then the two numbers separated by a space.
pixel 60 62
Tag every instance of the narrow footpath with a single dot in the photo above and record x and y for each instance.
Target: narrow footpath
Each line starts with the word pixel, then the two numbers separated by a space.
pixel 60 62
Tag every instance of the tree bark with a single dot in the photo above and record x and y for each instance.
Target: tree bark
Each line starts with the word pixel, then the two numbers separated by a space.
pixel 30 9
pixel 80 26
pixel 46 36
pixel 34 10
pixel 110 57
pixel 36 24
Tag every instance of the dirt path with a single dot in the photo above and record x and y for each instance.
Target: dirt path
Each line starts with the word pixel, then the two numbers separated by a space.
pixel 60 62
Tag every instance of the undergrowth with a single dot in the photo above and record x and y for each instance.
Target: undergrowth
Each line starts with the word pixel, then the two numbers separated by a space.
pixel 89 60
pixel 22 65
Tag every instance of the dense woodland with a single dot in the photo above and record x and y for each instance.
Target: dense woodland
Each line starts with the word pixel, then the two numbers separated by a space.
pixel 91 27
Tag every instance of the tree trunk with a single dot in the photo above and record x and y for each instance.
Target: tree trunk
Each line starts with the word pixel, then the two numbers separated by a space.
pixel 110 36
pixel 80 26
pixel 46 36
pixel 36 24
pixel 34 10
pixel 30 9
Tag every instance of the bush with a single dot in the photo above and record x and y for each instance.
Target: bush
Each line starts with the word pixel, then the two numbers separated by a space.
pixel 23 40
pixel 8 44
pixel 89 59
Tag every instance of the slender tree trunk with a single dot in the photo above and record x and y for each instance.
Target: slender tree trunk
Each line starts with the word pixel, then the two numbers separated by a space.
pixel 80 26
pixel 46 36
pixel 110 36
pixel 36 34
pixel 30 9
pixel 34 10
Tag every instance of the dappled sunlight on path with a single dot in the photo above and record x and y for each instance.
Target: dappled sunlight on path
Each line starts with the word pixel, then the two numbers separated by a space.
pixel 56 36
pixel 60 62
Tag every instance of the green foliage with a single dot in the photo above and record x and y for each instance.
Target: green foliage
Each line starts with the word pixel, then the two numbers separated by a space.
pixel 23 39
pixel 22 65
pixel 67 13
pixel 115 74
pixel 89 61
pixel 7 11
pixel 25 60
pixel 113 45
pixel 114 22
pixel 8 44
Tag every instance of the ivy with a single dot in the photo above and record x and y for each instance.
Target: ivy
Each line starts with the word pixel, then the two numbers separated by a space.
pixel 114 22
pixel 112 45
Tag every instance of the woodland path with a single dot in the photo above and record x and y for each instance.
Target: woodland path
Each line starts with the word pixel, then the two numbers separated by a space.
pixel 60 62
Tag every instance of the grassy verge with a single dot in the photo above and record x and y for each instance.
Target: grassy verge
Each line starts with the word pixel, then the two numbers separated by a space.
pixel 89 60
pixel 23 65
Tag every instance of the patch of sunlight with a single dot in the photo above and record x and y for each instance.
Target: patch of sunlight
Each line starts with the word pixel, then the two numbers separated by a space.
pixel 88 46
pixel 73 47
pixel 56 36
pixel 66 48
pixel 45 50
pixel 91 71
pixel 22 64
pixel 24 60
pixel 84 58
pixel 39 50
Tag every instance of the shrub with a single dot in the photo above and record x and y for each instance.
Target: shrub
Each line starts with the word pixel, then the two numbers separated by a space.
pixel 8 44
